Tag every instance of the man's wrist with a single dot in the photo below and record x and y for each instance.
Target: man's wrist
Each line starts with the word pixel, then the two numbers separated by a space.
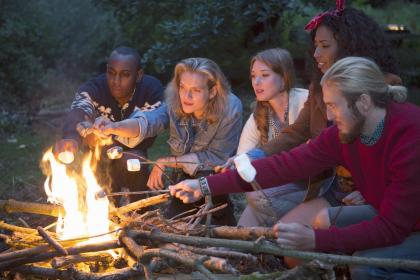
pixel 204 186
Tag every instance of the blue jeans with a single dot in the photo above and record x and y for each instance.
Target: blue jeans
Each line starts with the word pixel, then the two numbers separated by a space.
pixel 409 249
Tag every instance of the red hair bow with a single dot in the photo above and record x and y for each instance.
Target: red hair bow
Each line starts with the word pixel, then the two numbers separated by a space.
pixel 314 22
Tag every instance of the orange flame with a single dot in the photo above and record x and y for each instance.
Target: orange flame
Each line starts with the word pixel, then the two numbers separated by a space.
pixel 85 214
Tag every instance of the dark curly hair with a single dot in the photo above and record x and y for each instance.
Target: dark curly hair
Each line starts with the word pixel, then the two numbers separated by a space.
pixel 357 35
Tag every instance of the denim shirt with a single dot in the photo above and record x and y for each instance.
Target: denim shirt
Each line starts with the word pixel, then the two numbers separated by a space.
pixel 197 141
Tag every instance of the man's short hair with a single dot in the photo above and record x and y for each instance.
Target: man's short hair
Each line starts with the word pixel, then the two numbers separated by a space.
pixel 128 51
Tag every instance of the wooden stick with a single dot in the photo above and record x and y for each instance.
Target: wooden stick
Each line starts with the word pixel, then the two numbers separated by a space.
pixel 273 249
pixel 242 233
pixel 23 253
pixel 9 264
pixel 13 206
pixel 60 249
pixel 10 227
pixel 143 203
pixel 131 245
pixel 58 262
pixel 219 253
pixel 71 273
pixel 192 262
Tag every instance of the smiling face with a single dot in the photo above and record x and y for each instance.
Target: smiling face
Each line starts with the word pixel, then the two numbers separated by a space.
pixel 267 84
pixel 349 121
pixel 122 74
pixel 194 93
pixel 326 48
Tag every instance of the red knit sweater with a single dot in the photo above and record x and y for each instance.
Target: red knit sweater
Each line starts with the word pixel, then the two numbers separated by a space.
pixel 387 174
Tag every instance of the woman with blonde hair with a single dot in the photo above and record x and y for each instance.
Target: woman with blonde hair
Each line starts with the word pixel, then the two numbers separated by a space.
pixel 204 119
pixel 278 104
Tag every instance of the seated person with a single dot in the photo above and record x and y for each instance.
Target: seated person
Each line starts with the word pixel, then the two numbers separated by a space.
pixel 377 138
pixel 114 96
pixel 335 34
pixel 277 105
pixel 205 121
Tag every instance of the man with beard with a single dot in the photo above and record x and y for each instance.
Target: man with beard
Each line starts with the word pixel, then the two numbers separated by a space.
pixel 114 95
pixel 377 138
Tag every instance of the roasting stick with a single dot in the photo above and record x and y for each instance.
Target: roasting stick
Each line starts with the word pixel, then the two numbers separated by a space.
pixel 248 174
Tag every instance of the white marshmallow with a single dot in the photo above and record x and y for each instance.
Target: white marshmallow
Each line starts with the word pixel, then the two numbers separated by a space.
pixel 245 168
pixel 66 157
pixel 133 164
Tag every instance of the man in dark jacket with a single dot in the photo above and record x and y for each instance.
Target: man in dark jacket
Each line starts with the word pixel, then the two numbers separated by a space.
pixel 113 95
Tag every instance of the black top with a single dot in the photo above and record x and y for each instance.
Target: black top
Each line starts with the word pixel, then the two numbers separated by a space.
pixel 94 99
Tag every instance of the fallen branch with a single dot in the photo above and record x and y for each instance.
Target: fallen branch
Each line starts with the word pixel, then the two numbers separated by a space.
pixel 272 249
pixel 313 270
pixel 142 203
pixel 71 273
pixel 60 249
pixel 219 253
pixel 194 263
pixel 10 227
pixel 242 233
pixel 58 262
pixel 14 206
pixel 7 265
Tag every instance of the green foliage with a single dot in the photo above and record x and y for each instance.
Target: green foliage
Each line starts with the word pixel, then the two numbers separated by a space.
pixel 40 37
pixel 227 31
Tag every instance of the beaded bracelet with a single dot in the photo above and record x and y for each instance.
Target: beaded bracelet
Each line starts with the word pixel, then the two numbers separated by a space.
pixel 204 186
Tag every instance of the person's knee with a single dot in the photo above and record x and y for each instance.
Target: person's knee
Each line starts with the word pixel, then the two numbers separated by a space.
pixel 322 219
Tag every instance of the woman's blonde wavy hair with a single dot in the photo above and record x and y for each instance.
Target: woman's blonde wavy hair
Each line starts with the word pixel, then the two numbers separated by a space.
pixel 355 76
pixel 216 81
pixel 281 62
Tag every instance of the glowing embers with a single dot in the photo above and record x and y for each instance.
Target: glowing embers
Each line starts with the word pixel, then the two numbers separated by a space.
pixel 85 213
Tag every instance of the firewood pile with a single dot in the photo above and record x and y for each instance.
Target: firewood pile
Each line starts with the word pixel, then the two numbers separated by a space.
pixel 145 244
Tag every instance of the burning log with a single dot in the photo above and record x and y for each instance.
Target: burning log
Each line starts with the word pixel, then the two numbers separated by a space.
pixel 14 206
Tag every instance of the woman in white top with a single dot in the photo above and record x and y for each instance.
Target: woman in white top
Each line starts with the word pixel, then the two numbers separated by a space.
pixel 277 105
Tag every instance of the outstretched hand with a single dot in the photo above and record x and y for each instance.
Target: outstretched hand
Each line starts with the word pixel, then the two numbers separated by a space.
pixel 294 236
pixel 103 127
pixel 188 191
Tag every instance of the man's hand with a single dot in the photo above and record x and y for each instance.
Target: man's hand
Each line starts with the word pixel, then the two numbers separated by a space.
pixel 155 181
pixel 354 198
pixel 188 191
pixel 103 127
pixel 65 150
pixel 294 236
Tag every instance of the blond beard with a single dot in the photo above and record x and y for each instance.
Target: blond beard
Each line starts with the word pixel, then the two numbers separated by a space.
pixel 355 131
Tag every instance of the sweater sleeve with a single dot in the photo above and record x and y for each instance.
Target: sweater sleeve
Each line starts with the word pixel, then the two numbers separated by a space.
pixel 293 135
pixel 301 162
pixel 398 212
pixel 82 108
pixel 250 136
pixel 225 141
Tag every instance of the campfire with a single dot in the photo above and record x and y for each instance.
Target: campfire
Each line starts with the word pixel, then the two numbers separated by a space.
pixel 95 240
